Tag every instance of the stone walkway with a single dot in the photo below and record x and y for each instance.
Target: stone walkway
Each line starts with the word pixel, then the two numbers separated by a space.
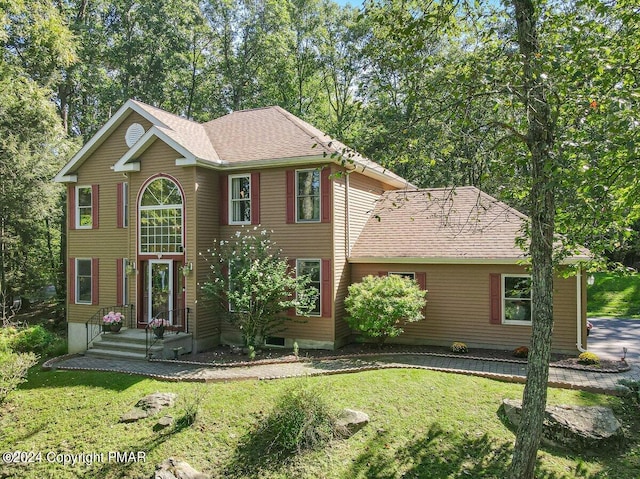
pixel 496 369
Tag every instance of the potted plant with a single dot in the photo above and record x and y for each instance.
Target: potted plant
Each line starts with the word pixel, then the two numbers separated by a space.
pixel 158 325
pixel 112 321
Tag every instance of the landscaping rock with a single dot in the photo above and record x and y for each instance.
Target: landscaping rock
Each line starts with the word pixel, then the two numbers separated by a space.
pixel 583 427
pixel 149 406
pixel 174 469
pixel 350 421
pixel 164 421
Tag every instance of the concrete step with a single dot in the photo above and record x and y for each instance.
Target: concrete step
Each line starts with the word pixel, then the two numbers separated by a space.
pixel 132 344
pixel 115 354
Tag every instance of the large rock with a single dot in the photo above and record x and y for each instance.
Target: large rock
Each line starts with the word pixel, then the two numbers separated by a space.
pixel 149 406
pixel 349 422
pixel 174 469
pixel 584 427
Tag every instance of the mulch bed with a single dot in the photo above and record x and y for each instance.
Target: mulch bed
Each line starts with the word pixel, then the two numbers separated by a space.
pixel 225 355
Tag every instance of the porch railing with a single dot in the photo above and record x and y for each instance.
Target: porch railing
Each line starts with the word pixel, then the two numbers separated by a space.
pixel 94 324
pixel 180 323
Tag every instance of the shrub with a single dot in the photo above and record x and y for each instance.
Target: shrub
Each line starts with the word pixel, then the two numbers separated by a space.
pixel 34 339
pixel 378 305
pixel 13 370
pixel 302 419
pixel 521 352
pixel 588 358
pixel 459 347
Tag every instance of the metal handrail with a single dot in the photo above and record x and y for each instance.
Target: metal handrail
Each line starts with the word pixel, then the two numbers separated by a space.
pixel 94 324
pixel 182 315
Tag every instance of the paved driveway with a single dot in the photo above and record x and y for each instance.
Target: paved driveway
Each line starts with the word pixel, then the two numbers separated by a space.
pixel 609 336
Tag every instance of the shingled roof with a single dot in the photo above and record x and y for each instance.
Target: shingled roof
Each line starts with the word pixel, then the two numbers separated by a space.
pixel 441 225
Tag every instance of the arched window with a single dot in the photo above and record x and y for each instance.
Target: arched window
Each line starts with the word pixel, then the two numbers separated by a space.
pixel 161 218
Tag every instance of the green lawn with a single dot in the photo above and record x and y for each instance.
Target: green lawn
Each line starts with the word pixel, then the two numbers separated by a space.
pixel 614 296
pixel 424 425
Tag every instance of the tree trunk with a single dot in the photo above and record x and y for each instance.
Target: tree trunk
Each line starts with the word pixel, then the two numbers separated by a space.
pixel 540 139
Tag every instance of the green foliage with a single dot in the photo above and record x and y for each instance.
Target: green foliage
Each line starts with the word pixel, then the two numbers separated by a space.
pixel 253 286
pixel 458 347
pixel 34 339
pixel 13 370
pixel 378 305
pixel 302 419
pixel 588 358
pixel 614 295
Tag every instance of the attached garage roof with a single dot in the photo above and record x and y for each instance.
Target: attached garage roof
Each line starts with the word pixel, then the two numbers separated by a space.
pixel 442 225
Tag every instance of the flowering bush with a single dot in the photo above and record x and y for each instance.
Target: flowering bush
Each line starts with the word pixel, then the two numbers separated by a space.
pixel 521 352
pixel 111 318
pixel 588 358
pixel 458 347
pixel 159 322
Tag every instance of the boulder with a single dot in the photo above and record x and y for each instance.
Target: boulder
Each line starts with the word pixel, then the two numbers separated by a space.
pixel 583 427
pixel 349 422
pixel 149 406
pixel 173 469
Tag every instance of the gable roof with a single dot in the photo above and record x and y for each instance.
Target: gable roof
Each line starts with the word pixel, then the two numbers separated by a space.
pixel 260 137
pixel 442 225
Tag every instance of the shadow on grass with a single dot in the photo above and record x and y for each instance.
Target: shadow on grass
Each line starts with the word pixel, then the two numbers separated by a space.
pixel 438 454
pixel 115 381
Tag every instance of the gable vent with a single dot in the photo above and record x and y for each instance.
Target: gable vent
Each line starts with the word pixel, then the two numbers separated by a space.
pixel 134 132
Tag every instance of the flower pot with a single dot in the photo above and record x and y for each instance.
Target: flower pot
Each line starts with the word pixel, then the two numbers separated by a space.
pixel 115 327
pixel 106 328
pixel 159 332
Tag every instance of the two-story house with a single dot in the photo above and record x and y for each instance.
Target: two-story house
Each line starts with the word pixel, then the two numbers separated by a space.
pixel 152 190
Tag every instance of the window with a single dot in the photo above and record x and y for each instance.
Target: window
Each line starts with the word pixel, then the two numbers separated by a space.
pixel 307 195
pixel 84 209
pixel 83 281
pixel 311 268
pixel 516 298
pixel 161 218
pixel 240 199
pixel 403 275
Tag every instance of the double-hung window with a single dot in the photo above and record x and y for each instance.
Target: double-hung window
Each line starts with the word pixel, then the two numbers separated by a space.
pixel 84 207
pixel 83 281
pixel 307 196
pixel 240 199
pixel 516 299
pixel 311 268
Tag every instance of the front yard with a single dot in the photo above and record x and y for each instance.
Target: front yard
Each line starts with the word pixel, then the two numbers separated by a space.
pixel 423 424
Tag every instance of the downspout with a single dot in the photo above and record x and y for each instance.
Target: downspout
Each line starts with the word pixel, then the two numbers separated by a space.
pixel 579 309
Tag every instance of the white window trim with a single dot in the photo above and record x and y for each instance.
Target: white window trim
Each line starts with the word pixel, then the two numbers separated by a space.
pixel 141 208
pixel 318 314
pixel 125 281
pixel 77 283
pixel 231 200
pixel 503 299
pixel 403 274
pixel 77 208
pixel 295 196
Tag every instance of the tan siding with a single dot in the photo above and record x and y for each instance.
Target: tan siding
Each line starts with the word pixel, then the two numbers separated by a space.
pixel 107 242
pixel 458 308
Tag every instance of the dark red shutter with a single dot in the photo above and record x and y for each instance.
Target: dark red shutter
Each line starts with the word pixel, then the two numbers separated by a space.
pixel 383 273
pixel 495 298
pixel 326 293
pixel 71 199
pixel 421 279
pixel 291 196
pixel 119 206
pixel 95 206
pixel 95 281
pixel 224 200
pixel 71 274
pixel 325 195
pixel 255 198
pixel 292 271
pixel 119 285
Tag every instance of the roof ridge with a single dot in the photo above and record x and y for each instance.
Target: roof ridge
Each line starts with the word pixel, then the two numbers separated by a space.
pixel 165 112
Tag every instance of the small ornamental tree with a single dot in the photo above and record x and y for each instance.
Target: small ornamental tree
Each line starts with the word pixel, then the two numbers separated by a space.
pixel 253 286
pixel 377 306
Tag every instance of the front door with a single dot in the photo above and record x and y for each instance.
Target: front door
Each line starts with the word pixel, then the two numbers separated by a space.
pixel 159 289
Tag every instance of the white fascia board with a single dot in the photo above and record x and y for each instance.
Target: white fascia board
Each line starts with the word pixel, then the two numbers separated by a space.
pixel 97 139
pixel 154 133
pixel 66 179
pixel 186 161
